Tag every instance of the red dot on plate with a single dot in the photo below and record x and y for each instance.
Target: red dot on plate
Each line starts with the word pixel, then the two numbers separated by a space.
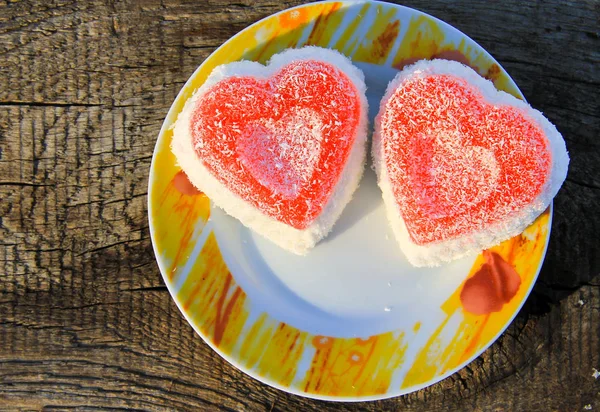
pixel 494 285
pixel 183 184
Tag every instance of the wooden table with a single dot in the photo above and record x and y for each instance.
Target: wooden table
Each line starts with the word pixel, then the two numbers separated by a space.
pixel 85 319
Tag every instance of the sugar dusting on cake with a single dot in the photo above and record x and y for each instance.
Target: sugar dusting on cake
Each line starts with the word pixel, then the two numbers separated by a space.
pixel 279 143
pixel 456 162
pixel 283 154
pixel 448 176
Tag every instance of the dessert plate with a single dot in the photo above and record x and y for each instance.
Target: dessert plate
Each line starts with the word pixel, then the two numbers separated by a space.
pixel 352 320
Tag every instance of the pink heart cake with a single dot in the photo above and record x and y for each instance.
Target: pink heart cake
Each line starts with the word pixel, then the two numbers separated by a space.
pixel 280 147
pixel 462 166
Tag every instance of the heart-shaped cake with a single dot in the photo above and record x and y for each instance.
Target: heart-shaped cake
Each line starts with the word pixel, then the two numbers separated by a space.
pixel 280 147
pixel 462 166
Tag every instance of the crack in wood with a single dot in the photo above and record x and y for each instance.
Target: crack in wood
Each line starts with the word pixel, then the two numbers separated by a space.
pixel 160 288
pixel 61 104
pixel 583 184
pixel 25 184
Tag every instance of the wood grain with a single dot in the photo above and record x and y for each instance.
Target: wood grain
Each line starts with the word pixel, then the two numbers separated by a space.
pixel 85 320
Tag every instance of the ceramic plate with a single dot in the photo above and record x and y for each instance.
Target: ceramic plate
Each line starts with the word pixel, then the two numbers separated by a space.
pixel 352 320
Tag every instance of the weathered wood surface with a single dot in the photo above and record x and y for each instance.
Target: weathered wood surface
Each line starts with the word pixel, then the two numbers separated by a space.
pixel 85 319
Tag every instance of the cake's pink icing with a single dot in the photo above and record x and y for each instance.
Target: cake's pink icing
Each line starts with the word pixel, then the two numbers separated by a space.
pixel 279 143
pixel 455 162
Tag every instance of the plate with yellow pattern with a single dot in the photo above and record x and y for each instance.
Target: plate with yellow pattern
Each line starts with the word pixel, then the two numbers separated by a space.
pixel 352 320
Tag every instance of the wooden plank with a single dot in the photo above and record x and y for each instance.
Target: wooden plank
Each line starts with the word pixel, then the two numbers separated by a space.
pixel 85 319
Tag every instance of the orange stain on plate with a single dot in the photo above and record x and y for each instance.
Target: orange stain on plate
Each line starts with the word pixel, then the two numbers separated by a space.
pixel 486 67
pixel 424 39
pixel 283 353
pixel 421 41
pixel 380 37
pixel 180 212
pixel 184 186
pixel 257 339
pixel 293 18
pixel 212 298
pixel 493 73
pixel 423 36
pixel 426 363
pixel 364 365
pixel 454 55
pixel 315 23
pixel 224 308
pixel 348 39
pixel 322 32
pixel 474 339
